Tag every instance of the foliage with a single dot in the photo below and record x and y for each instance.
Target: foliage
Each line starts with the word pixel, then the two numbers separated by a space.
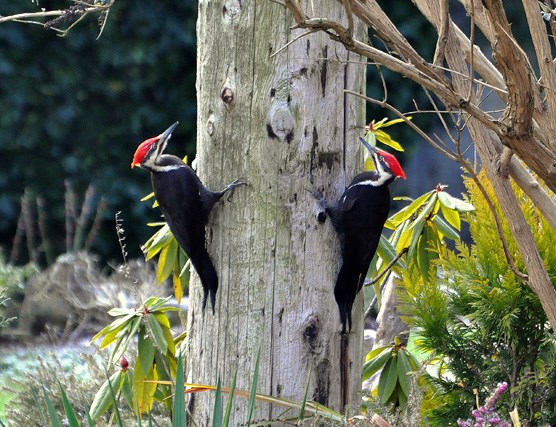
pixel 76 107
pixel 80 375
pixel 397 364
pixel 12 287
pixel 483 323
pixel 156 356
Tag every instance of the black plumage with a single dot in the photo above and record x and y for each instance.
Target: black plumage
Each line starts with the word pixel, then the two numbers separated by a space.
pixel 185 203
pixel 358 217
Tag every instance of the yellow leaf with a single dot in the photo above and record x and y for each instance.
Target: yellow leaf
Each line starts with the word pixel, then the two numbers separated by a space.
pixel 143 389
pixel 387 140
pixel 178 289
pixel 392 122
pixel 166 260
pixel 147 197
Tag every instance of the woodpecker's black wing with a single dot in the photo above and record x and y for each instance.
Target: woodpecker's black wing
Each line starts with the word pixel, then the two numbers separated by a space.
pixel 360 216
pixel 178 194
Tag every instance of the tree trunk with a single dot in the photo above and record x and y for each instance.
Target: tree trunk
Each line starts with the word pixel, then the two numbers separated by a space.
pixel 283 124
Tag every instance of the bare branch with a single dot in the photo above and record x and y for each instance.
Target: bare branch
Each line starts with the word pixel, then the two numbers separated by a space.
pixel 442 33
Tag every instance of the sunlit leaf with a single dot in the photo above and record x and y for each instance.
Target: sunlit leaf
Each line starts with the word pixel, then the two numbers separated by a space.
pixel 451 216
pixel 166 260
pixel 409 210
pixel 103 399
pixel 143 389
pixel 147 197
pixel 387 140
pixel 427 210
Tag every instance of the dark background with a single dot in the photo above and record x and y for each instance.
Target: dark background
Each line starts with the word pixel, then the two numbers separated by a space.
pixel 75 108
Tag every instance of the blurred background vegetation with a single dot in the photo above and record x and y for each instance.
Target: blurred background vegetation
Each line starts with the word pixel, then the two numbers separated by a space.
pixel 75 108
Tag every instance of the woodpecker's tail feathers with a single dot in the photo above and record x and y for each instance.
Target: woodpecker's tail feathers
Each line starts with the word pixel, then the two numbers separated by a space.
pixel 345 292
pixel 209 279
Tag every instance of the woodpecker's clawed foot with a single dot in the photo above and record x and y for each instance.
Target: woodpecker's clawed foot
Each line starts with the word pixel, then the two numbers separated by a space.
pixel 231 187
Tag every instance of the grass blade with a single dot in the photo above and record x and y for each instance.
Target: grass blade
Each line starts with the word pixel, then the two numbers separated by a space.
pixel 302 409
pixel 54 418
pixel 253 388
pixel 217 413
pixel 38 404
pixel 178 412
pixel 226 420
pixel 70 413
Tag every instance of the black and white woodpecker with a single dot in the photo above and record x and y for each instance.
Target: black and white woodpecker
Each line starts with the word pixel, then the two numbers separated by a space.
pixel 185 203
pixel 358 218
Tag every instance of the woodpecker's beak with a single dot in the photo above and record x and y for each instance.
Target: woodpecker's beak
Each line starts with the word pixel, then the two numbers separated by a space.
pixel 371 149
pixel 165 136
pixel 367 145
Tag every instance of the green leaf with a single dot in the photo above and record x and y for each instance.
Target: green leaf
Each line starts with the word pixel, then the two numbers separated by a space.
pixel 304 403
pixel 145 347
pixel 253 392
pixel 126 388
pixel 387 253
pixel 103 399
pixel 376 362
pixel 445 229
pixel 179 414
pixel 144 387
pixel 166 261
pixel 70 413
pixel 217 412
pixel 156 333
pixel 409 210
pixel 388 380
pixel 416 235
pixel 229 403
pixel 54 418
pixel 123 342
pixel 424 253
pixel 403 368
pixel 427 209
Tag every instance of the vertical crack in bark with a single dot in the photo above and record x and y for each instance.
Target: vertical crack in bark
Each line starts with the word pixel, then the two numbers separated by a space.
pixel 324 70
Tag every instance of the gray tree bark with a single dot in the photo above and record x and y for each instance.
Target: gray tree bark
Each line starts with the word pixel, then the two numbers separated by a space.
pixel 282 123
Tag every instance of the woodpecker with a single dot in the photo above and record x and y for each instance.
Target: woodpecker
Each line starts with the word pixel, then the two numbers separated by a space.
pixel 358 217
pixel 185 203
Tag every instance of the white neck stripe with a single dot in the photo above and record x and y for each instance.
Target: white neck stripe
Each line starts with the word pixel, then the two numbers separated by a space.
pixel 167 168
pixel 374 183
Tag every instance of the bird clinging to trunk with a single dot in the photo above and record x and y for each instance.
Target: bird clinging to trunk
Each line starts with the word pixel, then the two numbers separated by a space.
pixel 358 218
pixel 185 203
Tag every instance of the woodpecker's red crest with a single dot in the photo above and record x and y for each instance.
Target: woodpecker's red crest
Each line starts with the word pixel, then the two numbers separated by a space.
pixel 155 145
pixel 392 163
pixel 143 150
pixel 384 157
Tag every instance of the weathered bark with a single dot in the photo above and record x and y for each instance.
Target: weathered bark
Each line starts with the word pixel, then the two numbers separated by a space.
pixel 525 127
pixel 283 124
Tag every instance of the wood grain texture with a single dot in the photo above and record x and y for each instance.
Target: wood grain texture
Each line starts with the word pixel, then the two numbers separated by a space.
pixel 283 124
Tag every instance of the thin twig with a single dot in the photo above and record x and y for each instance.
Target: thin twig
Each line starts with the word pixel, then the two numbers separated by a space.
pixel 292 41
